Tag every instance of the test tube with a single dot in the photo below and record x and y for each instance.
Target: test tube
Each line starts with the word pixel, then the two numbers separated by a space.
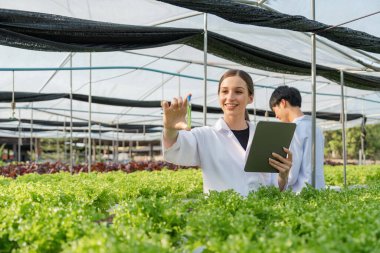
pixel 189 112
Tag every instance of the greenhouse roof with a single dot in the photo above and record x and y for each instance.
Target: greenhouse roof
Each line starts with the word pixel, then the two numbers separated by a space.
pixel 150 51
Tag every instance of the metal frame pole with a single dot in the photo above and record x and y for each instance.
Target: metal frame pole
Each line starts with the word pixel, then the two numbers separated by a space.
pixel 100 142
pixel 254 108
pixel 117 142
pixel 130 149
pixel 179 84
pixel 343 118
pixel 361 150
pixel 85 141
pixel 19 137
pixel 71 114
pixel 205 70
pixel 57 145
pixel 361 159
pixel 64 140
pixel 94 150
pixel 123 142
pixel 36 149
pixel 363 146
pixel 13 104
pixel 113 149
pixel 31 134
pixel 89 117
pixel 314 90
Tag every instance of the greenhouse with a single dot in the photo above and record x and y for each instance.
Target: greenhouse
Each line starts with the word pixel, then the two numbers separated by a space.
pixel 81 88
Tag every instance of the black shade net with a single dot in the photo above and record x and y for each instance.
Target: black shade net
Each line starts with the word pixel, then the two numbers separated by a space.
pixel 38 31
pixel 16 129
pixel 252 15
pixel 61 125
pixel 46 32
pixel 35 97
pixel 258 58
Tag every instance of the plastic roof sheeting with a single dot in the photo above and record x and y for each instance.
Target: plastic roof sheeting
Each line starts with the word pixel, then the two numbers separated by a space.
pixel 137 84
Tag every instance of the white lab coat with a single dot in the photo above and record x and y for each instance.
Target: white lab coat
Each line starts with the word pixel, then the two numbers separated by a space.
pixel 301 170
pixel 221 157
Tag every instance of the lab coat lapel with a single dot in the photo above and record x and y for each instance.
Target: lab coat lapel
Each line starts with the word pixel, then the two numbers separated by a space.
pixel 252 128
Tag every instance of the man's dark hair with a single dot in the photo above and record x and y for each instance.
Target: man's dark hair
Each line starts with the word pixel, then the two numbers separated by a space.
pixel 290 94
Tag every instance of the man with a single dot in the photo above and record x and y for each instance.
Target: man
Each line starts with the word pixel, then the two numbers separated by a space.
pixel 285 102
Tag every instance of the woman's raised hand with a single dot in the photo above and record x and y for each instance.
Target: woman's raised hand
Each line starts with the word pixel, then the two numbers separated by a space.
pixel 175 114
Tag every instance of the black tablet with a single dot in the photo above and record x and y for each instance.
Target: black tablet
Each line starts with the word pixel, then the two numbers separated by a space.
pixel 269 137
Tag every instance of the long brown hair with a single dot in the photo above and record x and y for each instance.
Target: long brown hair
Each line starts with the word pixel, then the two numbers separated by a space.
pixel 246 78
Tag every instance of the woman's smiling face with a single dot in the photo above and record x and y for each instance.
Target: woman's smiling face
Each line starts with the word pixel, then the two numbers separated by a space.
pixel 234 96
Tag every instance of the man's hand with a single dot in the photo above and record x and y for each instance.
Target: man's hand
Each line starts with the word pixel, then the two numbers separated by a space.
pixel 283 165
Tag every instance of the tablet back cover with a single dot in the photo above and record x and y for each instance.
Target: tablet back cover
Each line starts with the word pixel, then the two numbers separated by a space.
pixel 269 137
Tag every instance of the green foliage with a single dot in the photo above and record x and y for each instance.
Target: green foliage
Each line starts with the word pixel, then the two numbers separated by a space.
pixel 166 211
pixel 356 175
pixel 373 143
pixel 333 142
pixel 53 149
pixel 1 155
pixel 1 149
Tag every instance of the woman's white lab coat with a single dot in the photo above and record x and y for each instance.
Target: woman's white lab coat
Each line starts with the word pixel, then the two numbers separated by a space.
pixel 221 157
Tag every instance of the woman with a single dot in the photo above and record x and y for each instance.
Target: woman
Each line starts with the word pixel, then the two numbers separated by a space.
pixel 221 150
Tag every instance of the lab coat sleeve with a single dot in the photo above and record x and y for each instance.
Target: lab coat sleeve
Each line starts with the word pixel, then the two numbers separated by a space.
pixel 184 151
pixel 301 150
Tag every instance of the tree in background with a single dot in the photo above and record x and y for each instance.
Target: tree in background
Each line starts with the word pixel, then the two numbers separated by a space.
pixel 373 142
pixel 333 143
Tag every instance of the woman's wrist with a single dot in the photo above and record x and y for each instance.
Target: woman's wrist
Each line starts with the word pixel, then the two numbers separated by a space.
pixel 169 137
pixel 170 133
